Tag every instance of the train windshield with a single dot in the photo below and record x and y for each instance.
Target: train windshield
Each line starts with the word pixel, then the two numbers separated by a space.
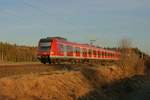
pixel 45 46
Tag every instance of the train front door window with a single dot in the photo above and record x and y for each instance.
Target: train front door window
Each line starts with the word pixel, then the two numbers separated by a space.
pixel 45 46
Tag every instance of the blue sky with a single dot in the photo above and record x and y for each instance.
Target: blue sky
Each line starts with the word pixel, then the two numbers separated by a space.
pixel 107 21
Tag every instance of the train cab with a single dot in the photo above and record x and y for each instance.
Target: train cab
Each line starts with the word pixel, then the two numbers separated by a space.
pixel 44 48
pixel 47 48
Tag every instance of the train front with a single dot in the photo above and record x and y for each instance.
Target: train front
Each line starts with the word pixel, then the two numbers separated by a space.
pixel 44 48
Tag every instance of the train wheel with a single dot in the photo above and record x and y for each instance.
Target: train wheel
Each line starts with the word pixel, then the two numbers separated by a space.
pixel 58 61
pixel 52 61
pixel 44 62
pixel 49 60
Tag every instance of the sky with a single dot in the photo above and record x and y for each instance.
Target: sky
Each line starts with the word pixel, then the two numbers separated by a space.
pixel 24 22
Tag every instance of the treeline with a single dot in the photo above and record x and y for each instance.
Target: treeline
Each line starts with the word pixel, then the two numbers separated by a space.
pixel 15 53
pixel 133 50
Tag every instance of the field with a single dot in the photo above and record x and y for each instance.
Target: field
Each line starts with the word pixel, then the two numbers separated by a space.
pixel 69 82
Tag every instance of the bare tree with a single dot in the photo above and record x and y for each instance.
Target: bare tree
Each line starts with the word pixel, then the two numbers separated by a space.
pixel 130 60
pixel 14 53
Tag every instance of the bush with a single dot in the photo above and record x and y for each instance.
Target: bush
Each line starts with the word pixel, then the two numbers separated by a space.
pixel 130 61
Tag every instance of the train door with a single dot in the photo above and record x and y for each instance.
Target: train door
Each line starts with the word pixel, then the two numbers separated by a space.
pixel 77 51
pixel 61 50
pixel 89 53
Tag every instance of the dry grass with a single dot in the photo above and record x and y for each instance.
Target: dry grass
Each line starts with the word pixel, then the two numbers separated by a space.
pixel 66 85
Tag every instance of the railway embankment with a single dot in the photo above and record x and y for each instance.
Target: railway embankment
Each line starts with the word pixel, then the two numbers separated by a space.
pixel 136 87
pixel 78 83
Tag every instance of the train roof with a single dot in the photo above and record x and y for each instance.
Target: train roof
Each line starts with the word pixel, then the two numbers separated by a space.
pixel 85 46
pixel 64 41
pixel 48 39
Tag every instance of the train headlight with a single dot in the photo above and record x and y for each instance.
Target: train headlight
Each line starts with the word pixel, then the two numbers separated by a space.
pixel 52 53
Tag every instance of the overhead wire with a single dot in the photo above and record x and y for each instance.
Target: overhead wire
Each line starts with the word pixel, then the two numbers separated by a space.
pixel 45 13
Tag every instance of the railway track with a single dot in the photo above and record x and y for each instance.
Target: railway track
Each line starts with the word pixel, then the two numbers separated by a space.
pixel 21 69
pixel 17 69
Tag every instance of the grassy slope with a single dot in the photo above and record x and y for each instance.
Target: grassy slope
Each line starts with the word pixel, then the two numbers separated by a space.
pixel 67 85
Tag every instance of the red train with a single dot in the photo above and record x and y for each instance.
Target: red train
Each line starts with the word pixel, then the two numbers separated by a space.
pixel 59 50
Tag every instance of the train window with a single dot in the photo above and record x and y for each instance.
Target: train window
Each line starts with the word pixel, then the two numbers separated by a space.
pixel 69 49
pixel 84 52
pixel 77 50
pixel 99 54
pixel 118 55
pixel 112 55
pixel 94 52
pixel 106 54
pixel 102 54
pixel 61 48
pixel 45 46
pixel 90 52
